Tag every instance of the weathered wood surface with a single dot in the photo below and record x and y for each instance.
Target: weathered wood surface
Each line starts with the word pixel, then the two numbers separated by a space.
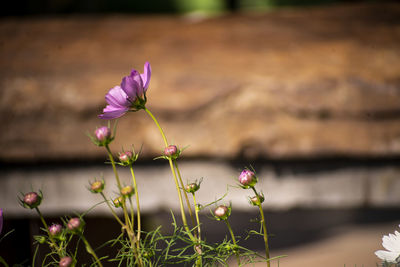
pixel 289 83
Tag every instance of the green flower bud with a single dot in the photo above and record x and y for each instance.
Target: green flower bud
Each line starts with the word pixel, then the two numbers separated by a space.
pixel 127 191
pixel 222 212
pixel 118 202
pixel 97 187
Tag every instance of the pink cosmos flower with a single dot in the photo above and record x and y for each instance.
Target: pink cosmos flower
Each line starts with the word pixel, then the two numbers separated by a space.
pixel 130 95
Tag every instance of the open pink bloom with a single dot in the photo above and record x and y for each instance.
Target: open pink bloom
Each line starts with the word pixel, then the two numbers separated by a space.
pixel 129 95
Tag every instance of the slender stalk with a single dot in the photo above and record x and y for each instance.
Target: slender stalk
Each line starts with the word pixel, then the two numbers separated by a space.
pixel 132 214
pixel 180 201
pixel 265 234
pixel 184 192
pixel 90 250
pixel 196 209
pixel 128 224
pixel 173 174
pixel 158 126
pixel 233 240
pixel 137 203
pixel 112 210
pixel 114 168
pixel 127 221
pixel 264 225
pixel 3 262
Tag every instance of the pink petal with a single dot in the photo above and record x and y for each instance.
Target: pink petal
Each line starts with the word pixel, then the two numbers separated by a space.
pixel 146 76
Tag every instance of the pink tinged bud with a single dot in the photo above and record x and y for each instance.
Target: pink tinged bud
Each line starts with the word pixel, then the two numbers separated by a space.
pixel 74 224
pixel 247 178
pixel 126 157
pixel 65 261
pixel 256 201
pixel 222 212
pixel 32 200
pixel 127 191
pixel 103 134
pixel 97 186
pixel 191 188
pixel 171 151
pixel 55 229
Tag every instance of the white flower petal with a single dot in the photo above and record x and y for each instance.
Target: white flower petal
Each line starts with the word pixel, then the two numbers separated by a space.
pixel 387 256
pixel 391 243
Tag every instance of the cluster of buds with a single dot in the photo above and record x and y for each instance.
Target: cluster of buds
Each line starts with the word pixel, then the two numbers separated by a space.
pixel 102 136
pixel 75 225
pixel 222 212
pixel 97 186
pixel 31 200
pixel 118 202
pixel 247 179
pixel 127 158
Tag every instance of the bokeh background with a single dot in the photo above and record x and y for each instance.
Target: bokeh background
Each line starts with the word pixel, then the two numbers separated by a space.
pixel 305 92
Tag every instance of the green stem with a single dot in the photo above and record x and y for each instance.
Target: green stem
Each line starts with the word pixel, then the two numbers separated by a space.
pixel 184 193
pixel 174 175
pixel 3 262
pixel 127 221
pixel 264 225
pixel 196 209
pixel 132 214
pixel 137 203
pixel 90 250
pixel 112 210
pixel 158 126
pixel 114 167
pixel 233 240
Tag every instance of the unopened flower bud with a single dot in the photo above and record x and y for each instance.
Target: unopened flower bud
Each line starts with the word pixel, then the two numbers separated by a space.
pixel 32 200
pixel 40 239
pixel 65 261
pixel 222 212
pixel 198 249
pixel 126 158
pixel 55 229
pixel 118 202
pixel 191 188
pixel 97 186
pixel 171 151
pixel 103 133
pixel 127 191
pixel 102 136
pixel 256 201
pixel 75 224
pixel 247 178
